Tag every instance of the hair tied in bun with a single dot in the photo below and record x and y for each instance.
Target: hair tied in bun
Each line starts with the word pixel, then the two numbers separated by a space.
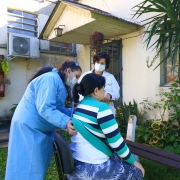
pixel 79 88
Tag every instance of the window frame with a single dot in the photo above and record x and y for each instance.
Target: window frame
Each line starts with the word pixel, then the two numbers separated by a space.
pixel 61 47
pixel 22 29
pixel 164 73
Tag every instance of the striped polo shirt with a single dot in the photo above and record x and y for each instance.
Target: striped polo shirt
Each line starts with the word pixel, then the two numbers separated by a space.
pixel 99 120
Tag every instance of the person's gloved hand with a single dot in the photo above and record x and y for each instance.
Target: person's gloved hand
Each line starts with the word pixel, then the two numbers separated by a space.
pixel 70 128
pixel 107 97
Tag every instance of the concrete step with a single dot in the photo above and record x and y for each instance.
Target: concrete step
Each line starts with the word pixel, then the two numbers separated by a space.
pixel 2 129
pixel 4 124
pixel 3 144
pixel 4 136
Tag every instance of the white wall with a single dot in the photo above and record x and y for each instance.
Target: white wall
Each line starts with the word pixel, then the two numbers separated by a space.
pixel 20 69
pixel 83 56
pixel 72 18
pixel 139 81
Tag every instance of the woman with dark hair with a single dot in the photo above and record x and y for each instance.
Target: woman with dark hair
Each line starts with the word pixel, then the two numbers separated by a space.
pixel 39 112
pixel 98 148
pixel 101 63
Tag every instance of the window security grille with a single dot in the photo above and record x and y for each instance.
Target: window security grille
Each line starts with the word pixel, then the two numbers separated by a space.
pixel 61 47
pixel 170 71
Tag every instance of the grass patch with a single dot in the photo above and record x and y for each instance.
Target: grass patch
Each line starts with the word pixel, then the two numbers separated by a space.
pixel 155 171
pixel 3 157
pixel 51 173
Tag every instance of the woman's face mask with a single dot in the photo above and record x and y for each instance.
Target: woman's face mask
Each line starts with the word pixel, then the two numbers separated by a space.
pixel 71 82
pixel 99 67
pixel 72 77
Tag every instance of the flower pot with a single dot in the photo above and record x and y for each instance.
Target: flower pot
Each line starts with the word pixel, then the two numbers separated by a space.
pixel 2 85
pixel 2 90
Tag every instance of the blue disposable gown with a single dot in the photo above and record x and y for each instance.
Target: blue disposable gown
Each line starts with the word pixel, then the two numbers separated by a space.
pixel 40 110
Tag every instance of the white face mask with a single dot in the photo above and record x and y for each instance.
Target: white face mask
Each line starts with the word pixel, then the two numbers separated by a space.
pixel 71 82
pixel 99 67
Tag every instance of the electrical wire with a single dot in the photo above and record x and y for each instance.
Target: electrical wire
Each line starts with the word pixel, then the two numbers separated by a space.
pixel 107 6
pixel 55 2
pixel 127 37
pixel 133 36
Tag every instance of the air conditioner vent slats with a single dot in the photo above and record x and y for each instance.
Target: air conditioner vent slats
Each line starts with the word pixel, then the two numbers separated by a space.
pixel 23 46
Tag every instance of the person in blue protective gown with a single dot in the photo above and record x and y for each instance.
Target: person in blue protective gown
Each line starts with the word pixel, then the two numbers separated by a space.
pixel 39 112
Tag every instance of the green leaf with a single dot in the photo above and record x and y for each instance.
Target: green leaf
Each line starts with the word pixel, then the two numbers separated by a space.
pixel 172 138
pixel 171 13
pixel 165 24
pixel 146 136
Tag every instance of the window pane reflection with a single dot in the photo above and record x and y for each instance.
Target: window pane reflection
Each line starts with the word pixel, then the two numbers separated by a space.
pixel 29 27
pixel 13 18
pixel 13 24
pixel 15 12
pixel 15 31
pixel 33 16
pixel 29 21
pixel 30 33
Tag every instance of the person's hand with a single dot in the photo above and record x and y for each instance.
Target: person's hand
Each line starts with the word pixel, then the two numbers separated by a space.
pixel 107 97
pixel 70 128
pixel 139 166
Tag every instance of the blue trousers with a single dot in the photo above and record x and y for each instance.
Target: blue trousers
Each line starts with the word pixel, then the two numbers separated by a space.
pixel 112 169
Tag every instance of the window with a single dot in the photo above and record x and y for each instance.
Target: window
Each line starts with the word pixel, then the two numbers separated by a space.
pixel 61 47
pixel 22 22
pixel 169 72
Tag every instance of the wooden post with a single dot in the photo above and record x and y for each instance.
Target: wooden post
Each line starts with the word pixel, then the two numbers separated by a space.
pixel 130 135
pixel 131 128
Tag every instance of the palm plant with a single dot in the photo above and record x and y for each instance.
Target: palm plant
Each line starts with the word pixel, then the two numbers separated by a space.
pixel 165 24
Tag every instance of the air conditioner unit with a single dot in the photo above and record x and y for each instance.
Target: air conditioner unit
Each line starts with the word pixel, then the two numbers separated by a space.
pixel 23 46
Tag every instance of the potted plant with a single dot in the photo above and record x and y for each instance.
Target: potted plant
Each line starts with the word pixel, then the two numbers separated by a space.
pixel 96 41
pixel 4 69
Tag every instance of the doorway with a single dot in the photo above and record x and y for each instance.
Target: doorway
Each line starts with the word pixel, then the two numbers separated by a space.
pixel 114 49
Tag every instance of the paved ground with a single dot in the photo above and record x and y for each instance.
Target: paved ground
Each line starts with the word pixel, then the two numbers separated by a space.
pixel 4 136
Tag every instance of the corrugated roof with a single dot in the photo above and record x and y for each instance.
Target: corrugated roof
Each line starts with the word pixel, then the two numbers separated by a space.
pixel 99 11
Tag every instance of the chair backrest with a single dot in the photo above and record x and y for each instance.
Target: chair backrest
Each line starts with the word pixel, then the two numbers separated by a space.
pixel 64 153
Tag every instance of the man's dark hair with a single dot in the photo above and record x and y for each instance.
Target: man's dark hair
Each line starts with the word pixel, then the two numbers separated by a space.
pixel 100 55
